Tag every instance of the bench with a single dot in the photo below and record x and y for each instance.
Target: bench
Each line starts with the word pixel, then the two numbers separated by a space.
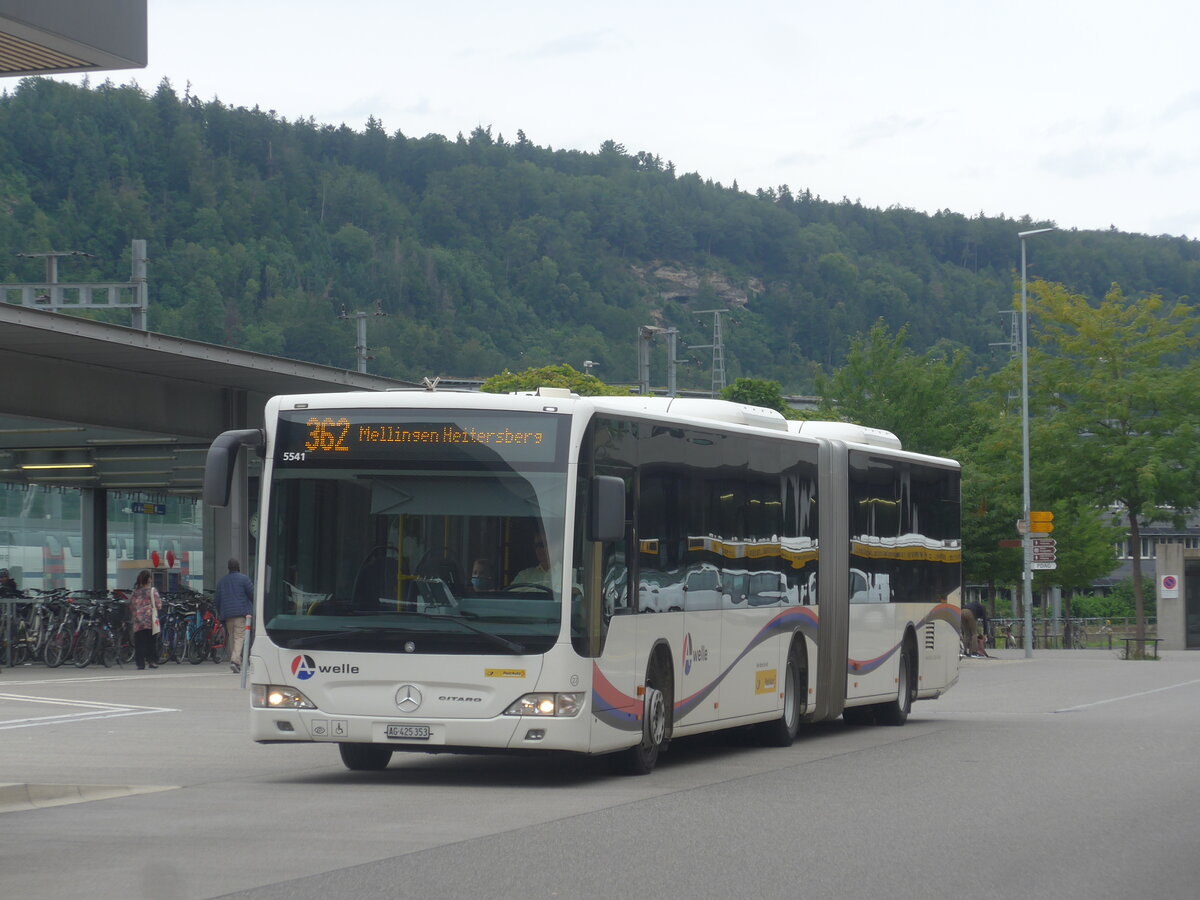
pixel 1131 642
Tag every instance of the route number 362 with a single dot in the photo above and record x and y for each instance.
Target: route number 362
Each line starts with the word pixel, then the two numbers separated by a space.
pixel 327 435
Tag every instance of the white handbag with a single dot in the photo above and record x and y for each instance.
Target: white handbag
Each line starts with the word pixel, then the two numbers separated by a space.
pixel 154 626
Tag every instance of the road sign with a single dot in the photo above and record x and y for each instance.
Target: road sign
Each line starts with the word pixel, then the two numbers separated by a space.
pixel 1041 521
pixel 1042 548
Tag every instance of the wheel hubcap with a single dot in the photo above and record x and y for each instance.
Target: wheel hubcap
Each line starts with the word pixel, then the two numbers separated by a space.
pixel 656 716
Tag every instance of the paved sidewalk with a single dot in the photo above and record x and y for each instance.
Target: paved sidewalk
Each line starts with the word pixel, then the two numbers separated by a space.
pixel 68 730
pixel 1117 653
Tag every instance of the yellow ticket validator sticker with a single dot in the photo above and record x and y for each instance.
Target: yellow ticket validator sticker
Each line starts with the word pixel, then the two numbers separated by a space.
pixel 503 673
pixel 764 681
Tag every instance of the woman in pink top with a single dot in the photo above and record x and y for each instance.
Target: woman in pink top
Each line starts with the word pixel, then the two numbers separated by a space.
pixel 144 604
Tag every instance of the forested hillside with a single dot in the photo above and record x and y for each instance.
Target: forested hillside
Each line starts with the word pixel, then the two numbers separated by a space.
pixel 489 252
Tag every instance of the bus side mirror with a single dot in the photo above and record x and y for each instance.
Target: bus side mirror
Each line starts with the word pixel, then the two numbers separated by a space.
pixel 607 520
pixel 218 465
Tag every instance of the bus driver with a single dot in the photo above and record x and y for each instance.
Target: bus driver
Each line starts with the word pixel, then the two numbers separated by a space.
pixel 540 575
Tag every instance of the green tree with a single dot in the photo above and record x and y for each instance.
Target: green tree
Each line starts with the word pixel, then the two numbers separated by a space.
pixel 351 244
pixel 1085 547
pixel 991 505
pixel 923 400
pixel 1115 386
pixel 522 245
pixel 759 392
pixel 919 398
pixel 562 376
pixel 990 453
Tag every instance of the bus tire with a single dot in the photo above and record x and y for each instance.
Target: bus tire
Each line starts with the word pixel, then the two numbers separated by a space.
pixel 782 732
pixel 895 712
pixel 641 758
pixel 365 757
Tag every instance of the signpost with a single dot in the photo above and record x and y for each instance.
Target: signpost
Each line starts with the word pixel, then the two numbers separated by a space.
pixel 1041 546
pixel 1043 553
pixel 1041 523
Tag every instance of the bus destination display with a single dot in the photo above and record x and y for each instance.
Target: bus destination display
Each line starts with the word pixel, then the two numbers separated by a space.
pixel 323 437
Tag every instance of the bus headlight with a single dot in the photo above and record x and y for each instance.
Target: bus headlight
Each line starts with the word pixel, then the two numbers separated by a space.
pixel 278 696
pixel 547 704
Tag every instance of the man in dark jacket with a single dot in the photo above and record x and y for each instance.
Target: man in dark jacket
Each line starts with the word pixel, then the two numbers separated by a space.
pixel 235 601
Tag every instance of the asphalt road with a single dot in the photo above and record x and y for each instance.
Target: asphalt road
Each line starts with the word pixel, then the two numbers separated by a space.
pixel 1073 774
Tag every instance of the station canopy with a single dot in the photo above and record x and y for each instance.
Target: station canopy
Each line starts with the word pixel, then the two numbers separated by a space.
pixel 93 405
pixel 42 37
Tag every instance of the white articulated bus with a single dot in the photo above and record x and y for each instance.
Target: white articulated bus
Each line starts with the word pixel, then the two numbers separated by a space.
pixel 443 571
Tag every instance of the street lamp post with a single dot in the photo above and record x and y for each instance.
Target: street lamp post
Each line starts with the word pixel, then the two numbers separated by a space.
pixel 1026 540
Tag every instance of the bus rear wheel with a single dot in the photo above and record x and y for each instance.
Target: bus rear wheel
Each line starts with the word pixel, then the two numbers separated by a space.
pixel 365 757
pixel 895 712
pixel 782 732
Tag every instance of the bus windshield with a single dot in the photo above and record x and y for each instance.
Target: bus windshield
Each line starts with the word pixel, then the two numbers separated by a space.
pixel 386 552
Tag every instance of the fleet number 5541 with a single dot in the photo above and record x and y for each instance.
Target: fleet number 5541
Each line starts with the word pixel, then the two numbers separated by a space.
pixel 293 456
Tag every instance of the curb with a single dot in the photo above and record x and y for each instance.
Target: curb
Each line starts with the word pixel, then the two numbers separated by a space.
pixel 15 797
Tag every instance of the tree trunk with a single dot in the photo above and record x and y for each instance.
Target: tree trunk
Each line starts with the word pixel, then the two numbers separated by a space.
pixel 1139 600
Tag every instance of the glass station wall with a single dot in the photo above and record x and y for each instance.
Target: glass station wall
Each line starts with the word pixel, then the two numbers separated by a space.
pixel 41 537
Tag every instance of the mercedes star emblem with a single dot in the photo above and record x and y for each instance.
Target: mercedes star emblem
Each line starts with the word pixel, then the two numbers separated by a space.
pixel 408 698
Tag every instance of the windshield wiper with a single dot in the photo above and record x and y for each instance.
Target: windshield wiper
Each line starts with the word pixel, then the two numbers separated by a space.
pixel 512 646
pixel 349 631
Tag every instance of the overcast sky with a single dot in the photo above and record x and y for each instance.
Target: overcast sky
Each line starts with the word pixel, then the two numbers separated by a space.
pixel 1083 112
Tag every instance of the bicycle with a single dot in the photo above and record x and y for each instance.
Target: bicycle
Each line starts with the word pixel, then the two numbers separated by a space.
pixel 14 638
pixel 1079 636
pixel 172 635
pixel 197 639
pixel 122 626
pixel 113 640
pixel 218 642
pixel 206 634
pixel 196 634
pixel 94 639
pixel 45 613
pixel 60 643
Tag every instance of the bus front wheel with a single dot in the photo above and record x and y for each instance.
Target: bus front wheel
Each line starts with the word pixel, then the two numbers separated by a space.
pixel 365 757
pixel 656 723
